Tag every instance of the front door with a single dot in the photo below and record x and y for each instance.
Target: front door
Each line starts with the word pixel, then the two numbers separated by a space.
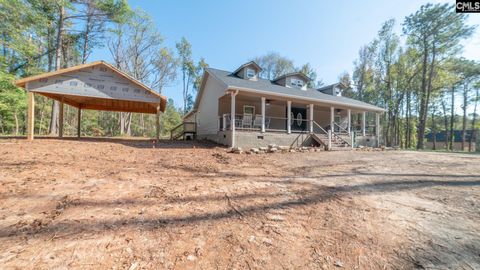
pixel 298 118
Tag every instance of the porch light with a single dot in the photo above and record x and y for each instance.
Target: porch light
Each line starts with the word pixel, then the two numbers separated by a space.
pixel 267 102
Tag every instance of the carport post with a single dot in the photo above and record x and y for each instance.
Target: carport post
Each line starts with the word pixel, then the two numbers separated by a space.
pixel 263 114
pixel 60 120
pixel 157 123
pixel 31 114
pixel 79 121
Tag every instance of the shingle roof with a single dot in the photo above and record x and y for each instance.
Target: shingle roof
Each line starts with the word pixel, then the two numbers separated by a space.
pixel 268 87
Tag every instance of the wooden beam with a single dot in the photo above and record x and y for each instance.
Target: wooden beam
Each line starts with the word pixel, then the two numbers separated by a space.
pixel 79 122
pixel 31 115
pixel 60 120
pixel 157 122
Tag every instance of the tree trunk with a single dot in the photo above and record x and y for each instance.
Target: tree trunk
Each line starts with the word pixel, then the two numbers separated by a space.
pixel 445 122
pixel 407 122
pixel 86 37
pixel 452 119
pixel 53 129
pixel 423 92
pixel 464 120
pixel 16 123
pixel 477 96
pixel 424 104
pixel 434 130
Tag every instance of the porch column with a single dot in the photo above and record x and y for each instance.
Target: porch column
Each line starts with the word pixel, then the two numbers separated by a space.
pixel 289 116
pixel 363 123
pixel 263 114
pixel 332 118
pixel 31 115
pixel 232 115
pixel 310 118
pixel 79 122
pixel 224 123
pixel 60 120
pixel 349 116
pixel 377 128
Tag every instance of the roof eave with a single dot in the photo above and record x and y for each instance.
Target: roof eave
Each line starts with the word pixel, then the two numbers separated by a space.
pixel 367 108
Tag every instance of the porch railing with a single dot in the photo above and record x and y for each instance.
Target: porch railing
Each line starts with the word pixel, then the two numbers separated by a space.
pixel 254 123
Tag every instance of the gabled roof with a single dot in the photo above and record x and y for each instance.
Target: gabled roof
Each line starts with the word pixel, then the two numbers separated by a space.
pixel 263 86
pixel 97 102
pixel 22 82
pixel 297 74
pixel 339 84
pixel 251 63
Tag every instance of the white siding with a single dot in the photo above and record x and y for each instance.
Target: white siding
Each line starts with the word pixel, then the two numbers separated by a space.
pixel 207 112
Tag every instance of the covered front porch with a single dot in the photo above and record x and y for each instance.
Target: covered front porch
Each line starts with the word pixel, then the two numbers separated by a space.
pixel 244 115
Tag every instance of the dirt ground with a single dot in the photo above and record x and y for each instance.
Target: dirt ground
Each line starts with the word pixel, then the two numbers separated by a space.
pixel 123 204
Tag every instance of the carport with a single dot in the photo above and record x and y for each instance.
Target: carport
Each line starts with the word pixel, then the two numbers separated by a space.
pixel 93 86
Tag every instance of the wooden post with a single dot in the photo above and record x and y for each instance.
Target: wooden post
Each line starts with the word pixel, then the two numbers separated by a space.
pixel 349 126
pixel 31 115
pixel 377 128
pixel 157 123
pixel 232 115
pixel 311 118
pixel 79 122
pixel 363 123
pixel 289 116
pixel 60 120
pixel 332 119
pixel 263 114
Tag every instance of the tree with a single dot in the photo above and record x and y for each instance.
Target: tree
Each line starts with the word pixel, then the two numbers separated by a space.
pixel 187 67
pixel 273 65
pixel 165 65
pixel 97 13
pixel 475 102
pixel 435 31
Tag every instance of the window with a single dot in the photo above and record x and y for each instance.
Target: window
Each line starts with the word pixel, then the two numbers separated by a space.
pixel 249 110
pixel 113 88
pixel 103 69
pixel 73 83
pixel 88 85
pixel 250 73
pixel 296 82
pixel 43 80
pixel 136 91
pixel 100 86
pixel 59 81
pixel 125 89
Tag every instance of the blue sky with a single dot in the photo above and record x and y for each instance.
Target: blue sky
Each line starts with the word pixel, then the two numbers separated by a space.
pixel 326 34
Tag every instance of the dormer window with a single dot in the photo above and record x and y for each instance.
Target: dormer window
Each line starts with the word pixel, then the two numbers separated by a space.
pixel 296 83
pixel 250 73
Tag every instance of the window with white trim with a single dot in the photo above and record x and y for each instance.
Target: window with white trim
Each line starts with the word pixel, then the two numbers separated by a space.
pixel 296 82
pixel 250 73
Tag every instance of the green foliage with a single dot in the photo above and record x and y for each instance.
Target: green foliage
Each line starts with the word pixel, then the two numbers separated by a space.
pixel 12 105
pixel 170 118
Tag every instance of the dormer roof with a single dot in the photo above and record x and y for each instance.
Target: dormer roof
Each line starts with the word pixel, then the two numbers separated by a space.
pixel 249 64
pixel 296 74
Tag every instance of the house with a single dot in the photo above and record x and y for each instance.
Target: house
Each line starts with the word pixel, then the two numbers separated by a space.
pixel 242 109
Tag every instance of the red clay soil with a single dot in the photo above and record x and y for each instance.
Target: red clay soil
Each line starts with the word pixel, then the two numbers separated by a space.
pixel 128 204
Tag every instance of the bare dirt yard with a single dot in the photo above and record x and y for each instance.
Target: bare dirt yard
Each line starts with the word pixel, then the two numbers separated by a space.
pixel 122 204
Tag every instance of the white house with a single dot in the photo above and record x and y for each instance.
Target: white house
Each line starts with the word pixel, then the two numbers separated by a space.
pixel 240 108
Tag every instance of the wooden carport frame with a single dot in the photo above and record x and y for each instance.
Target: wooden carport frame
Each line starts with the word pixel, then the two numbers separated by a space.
pixel 90 102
